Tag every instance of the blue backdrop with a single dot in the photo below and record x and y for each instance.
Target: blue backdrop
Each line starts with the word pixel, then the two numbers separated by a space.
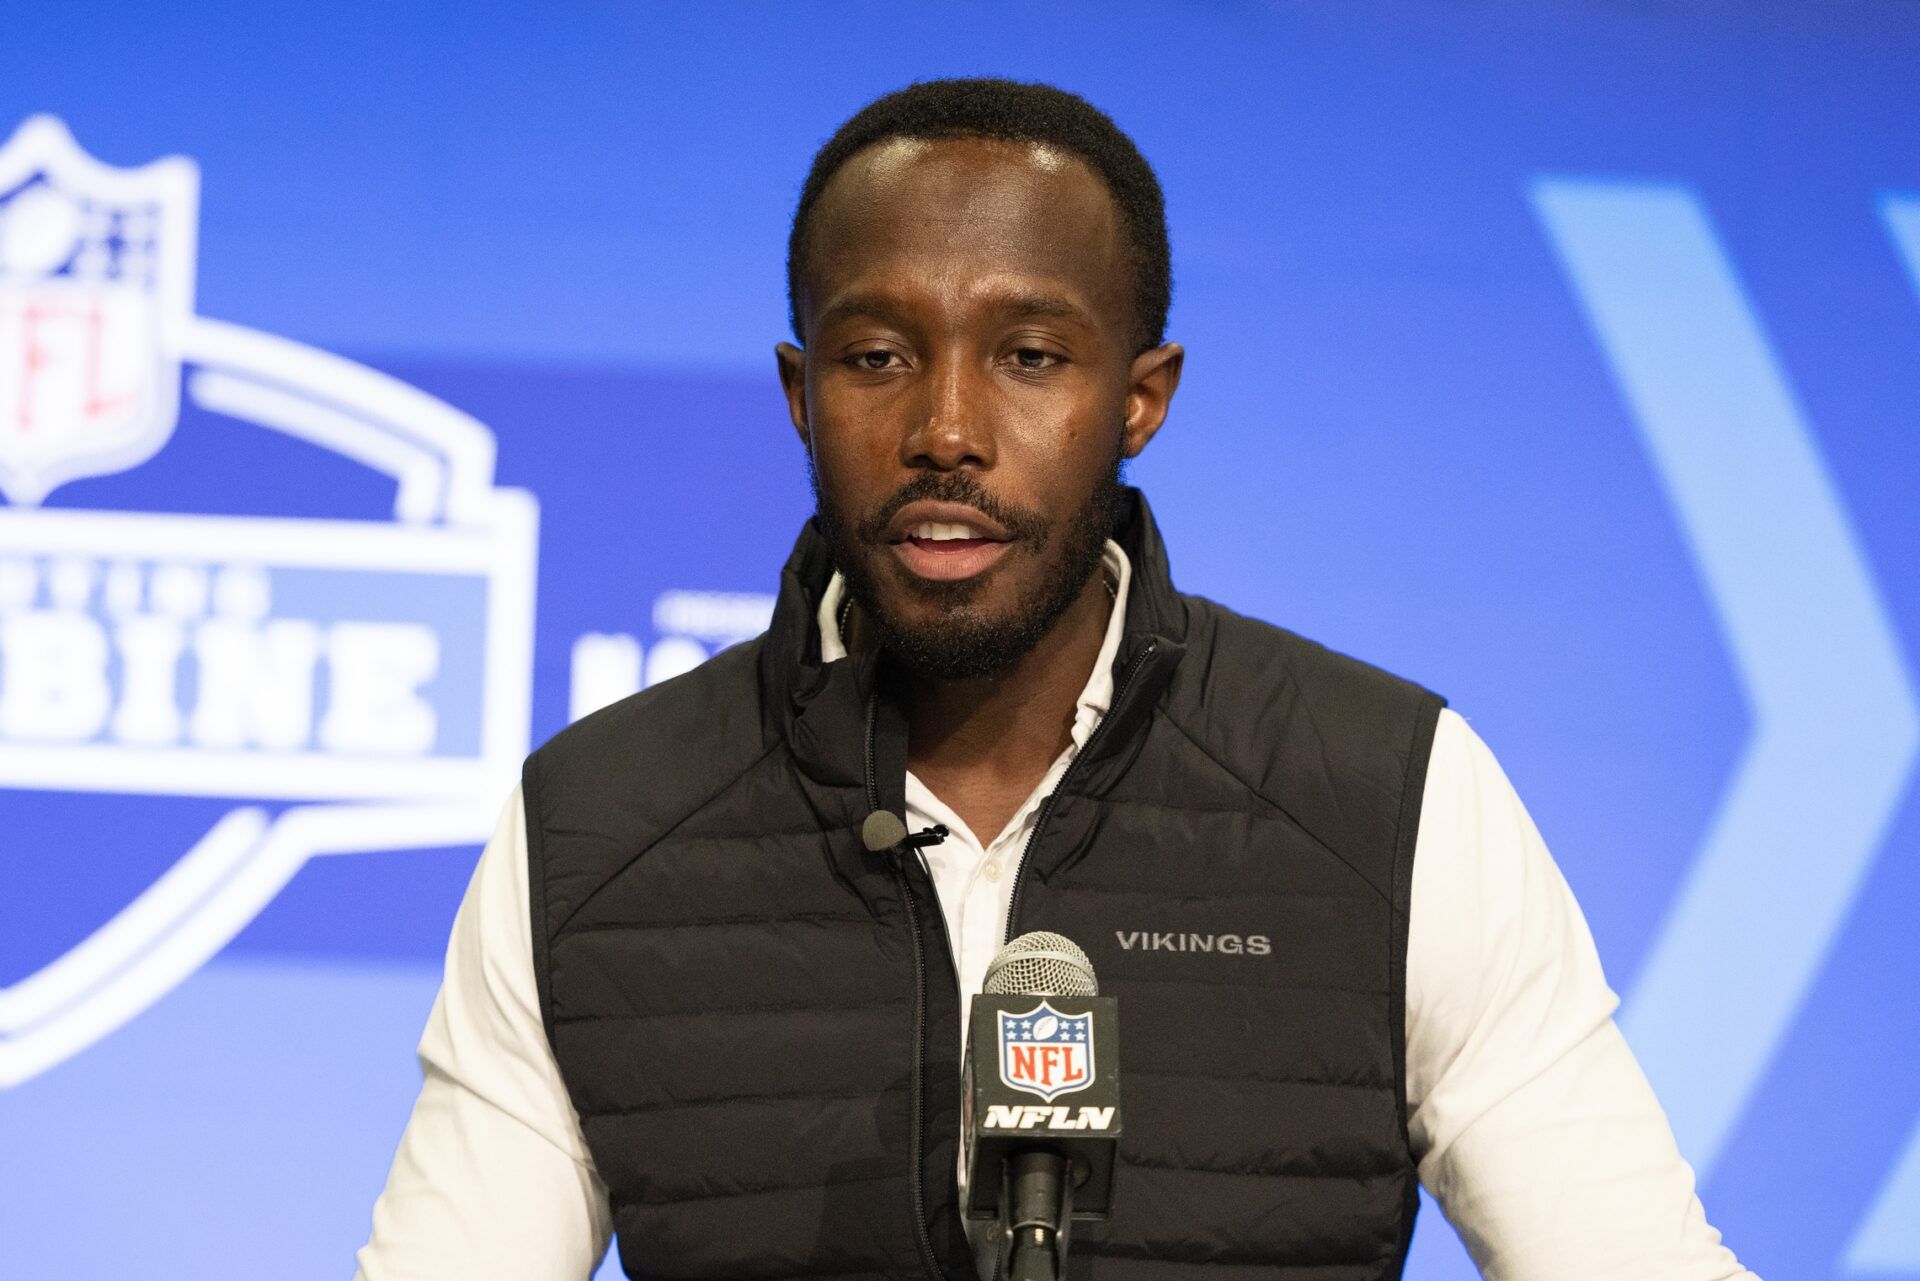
pixel 1565 358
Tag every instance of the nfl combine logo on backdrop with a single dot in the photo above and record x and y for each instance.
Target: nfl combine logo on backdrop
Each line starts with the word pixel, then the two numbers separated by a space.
pixel 355 684
pixel 1045 1052
pixel 96 293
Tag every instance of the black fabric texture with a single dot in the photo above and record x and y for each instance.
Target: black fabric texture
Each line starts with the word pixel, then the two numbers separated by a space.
pixel 728 976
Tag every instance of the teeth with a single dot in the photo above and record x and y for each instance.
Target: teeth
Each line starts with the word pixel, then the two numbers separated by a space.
pixel 941 531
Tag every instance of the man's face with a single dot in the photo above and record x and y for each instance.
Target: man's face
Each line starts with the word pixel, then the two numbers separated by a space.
pixel 968 390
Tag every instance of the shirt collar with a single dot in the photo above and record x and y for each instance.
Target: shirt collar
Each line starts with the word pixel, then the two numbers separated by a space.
pixel 1095 699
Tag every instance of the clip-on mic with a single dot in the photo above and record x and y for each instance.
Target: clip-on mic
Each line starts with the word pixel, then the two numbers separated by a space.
pixel 884 831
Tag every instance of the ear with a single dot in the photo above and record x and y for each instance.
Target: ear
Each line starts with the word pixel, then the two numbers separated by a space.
pixel 1151 382
pixel 793 382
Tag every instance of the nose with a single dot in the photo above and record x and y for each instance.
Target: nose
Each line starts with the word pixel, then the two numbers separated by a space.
pixel 951 427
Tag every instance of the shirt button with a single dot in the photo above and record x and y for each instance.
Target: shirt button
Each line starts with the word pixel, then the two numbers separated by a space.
pixel 992 871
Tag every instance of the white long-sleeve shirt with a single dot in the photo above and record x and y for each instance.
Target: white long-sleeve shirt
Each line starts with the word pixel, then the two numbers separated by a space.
pixel 1532 1123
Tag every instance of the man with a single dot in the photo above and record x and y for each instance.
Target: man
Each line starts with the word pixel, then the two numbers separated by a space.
pixel 683 1000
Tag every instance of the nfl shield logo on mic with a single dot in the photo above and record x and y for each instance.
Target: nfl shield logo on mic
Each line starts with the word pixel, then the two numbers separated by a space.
pixel 1045 1052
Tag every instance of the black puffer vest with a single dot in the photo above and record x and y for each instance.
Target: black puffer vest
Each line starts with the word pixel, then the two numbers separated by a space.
pixel 758 1020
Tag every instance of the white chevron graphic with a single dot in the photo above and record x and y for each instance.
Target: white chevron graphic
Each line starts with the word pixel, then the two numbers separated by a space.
pixel 1889 1237
pixel 1834 722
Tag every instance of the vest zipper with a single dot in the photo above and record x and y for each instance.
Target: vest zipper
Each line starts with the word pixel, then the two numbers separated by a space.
pixel 1046 806
pixel 916 1142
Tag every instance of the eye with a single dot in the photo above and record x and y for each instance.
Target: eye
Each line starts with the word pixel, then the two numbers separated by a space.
pixel 1034 358
pixel 878 359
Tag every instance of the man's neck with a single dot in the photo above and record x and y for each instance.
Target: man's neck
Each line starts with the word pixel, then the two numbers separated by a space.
pixel 983 745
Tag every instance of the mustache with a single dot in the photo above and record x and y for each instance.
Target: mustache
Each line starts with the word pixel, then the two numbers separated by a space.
pixel 954 487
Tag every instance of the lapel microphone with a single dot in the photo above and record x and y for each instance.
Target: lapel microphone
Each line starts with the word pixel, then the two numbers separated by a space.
pixel 884 830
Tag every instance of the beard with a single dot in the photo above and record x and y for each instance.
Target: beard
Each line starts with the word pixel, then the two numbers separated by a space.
pixel 965 641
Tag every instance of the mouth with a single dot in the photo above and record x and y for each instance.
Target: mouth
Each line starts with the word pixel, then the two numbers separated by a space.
pixel 946 542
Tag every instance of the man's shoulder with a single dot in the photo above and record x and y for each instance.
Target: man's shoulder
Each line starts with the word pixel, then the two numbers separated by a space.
pixel 1338 744
pixel 1245 655
pixel 708 714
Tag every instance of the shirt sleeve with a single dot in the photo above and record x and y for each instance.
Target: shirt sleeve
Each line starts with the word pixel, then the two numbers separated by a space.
pixel 1534 1127
pixel 492 1181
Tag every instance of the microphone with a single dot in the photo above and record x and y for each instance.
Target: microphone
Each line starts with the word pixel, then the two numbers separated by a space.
pixel 885 831
pixel 1040 1112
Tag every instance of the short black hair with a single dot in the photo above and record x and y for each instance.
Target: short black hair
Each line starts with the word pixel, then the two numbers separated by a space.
pixel 1011 111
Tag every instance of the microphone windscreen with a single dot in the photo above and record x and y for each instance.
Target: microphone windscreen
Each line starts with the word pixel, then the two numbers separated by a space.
pixel 1040 964
pixel 882 831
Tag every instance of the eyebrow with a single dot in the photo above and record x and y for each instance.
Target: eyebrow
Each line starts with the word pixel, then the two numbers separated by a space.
pixel 870 306
pixel 1044 305
pixel 1019 306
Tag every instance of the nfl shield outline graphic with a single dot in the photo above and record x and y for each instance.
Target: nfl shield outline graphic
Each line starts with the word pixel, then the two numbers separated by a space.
pixel 96 301
pixel 1069 1039
pixel 453 530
